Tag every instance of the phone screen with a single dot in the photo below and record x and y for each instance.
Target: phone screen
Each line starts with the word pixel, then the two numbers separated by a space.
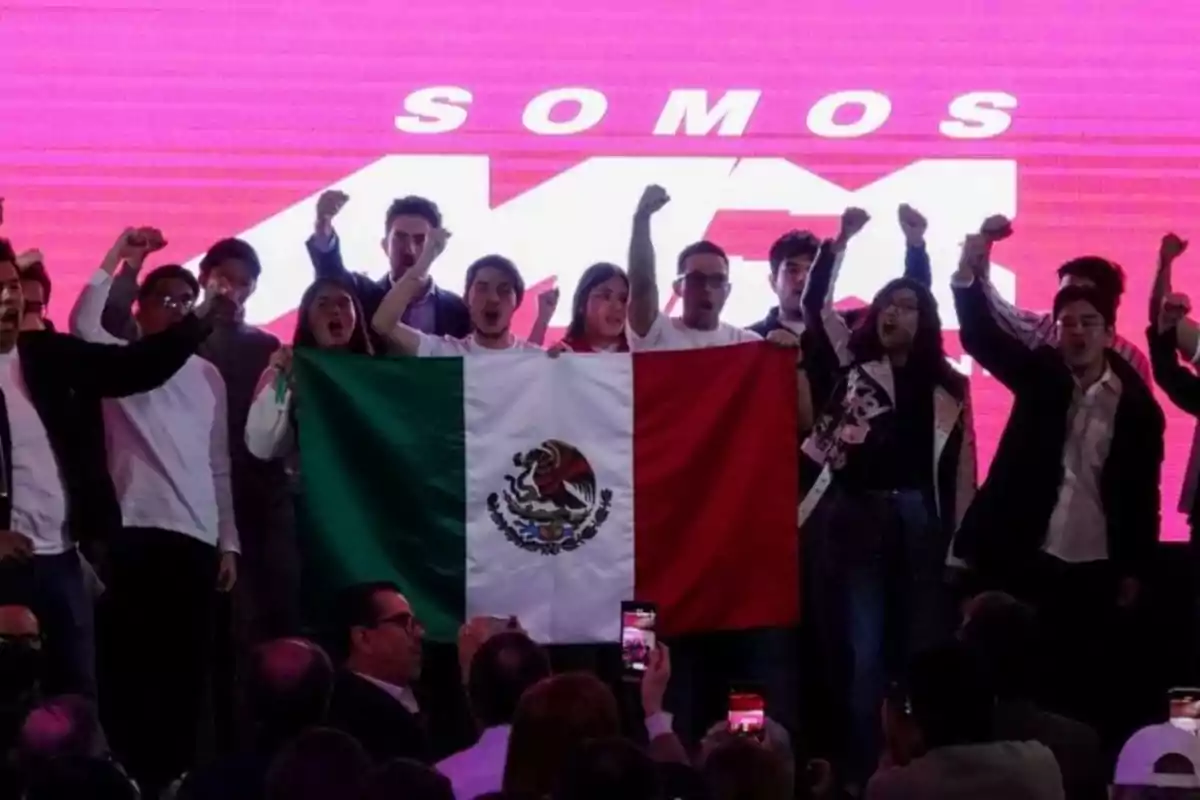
pixel 1185 708
pixel 746 713
pixel 637 636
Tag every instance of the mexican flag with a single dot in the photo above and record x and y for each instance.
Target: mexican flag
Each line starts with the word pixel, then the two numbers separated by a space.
pixel 555 488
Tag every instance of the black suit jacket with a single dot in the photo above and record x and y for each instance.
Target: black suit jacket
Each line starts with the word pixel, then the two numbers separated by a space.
pixel 451 317
pixel 1007 523
pixel 66 377
pixel 380 723
pixel 1179 383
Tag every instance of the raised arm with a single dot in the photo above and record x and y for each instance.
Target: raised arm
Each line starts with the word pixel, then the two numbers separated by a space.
pixel 99 317
pixel 916 256
pixel 547 303
pixel 643 280
pixel 323 247
pixel 1009 360
pixel 387 320
pixel 828 326
pixel 1187 331
pixel 1180 384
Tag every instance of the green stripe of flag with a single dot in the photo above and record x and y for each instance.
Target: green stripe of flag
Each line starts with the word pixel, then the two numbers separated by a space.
pixel 382 460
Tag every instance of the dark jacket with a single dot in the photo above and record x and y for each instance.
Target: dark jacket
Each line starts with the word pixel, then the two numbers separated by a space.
pixel 1007 524
pixel 66 377
pixel 1179 384
pixel 380 723
pixel 820 362
pixel 859 395
pixel 451 317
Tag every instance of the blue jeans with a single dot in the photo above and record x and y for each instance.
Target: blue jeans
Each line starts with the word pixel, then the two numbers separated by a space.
pixel 878 597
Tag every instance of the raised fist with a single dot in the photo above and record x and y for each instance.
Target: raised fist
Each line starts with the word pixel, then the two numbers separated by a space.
pixel 913 223
pixel 329 204
pixel 853 221
pixel 1172 247
pixel 29 258
pixel 137 243
pixel 547 303
pixel 653 199
pixel 435 245
pixel 996 227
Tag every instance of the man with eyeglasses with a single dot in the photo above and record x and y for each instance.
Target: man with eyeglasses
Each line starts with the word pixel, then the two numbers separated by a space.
pixel 1069 514
pixel 701 284
pixel 373 697
pixel 168 452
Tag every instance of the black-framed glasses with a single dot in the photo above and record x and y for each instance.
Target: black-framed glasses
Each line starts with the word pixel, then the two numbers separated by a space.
pixel 702 280
pixel 404 620
pixel 172 303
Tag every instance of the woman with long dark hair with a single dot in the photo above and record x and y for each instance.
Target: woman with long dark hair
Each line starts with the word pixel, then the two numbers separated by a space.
pixel 893 463
pixel 330 318
pixel 598 312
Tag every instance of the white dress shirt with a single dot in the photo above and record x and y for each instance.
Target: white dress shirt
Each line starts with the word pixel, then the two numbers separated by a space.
pixel 479 770
pixel 1078 529
pixel 39 499
pixel 168 449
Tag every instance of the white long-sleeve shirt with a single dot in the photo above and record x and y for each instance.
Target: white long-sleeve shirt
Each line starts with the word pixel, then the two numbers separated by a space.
pixel 168 449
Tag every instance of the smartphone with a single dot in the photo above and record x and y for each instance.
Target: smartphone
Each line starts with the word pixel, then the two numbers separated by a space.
pixel 638 621
pixel 747 712
pixel 1185 708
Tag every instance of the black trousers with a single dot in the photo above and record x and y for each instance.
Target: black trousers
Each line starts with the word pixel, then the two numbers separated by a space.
pixel 157 631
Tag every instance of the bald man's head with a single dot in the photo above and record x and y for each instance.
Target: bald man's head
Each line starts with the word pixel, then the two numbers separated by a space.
pixel 18 621
pixel 290 684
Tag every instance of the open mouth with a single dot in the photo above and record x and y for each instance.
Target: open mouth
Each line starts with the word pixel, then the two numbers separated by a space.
pixel 336 329
pixel 10 316
pixel 491 317
pixel 888 328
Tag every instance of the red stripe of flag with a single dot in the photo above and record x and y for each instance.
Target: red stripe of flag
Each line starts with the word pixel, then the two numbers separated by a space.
pixel 715 487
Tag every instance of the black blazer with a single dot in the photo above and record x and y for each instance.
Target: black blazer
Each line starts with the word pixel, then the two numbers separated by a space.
pixel 385 728
pixel 1007 523
pixel 66 377
pixel 451 317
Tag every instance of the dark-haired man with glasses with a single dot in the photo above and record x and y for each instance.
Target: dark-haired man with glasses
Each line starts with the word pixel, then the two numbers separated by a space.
pixel 701 283
pixel 374 698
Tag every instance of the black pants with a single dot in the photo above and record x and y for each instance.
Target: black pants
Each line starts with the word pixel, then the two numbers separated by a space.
pixel 157 618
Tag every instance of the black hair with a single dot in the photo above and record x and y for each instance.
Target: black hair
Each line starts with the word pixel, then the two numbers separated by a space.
pixel 592 277
pixel 7 254
pixel 607 768
pixel 928 353
pixel 318 764
pixel 231 250
pixel 37 273
pixel 413 206
pixel 356 607
pixel 504 265
pixel 503 668
pixel 303 336
pixel 1002 633
pixel 1108 276
pixel 1104 303
pixel 793 244
pixel 406 778
pixel 166 272
pixel 70 778
pixel 701 248
pixel 951 701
